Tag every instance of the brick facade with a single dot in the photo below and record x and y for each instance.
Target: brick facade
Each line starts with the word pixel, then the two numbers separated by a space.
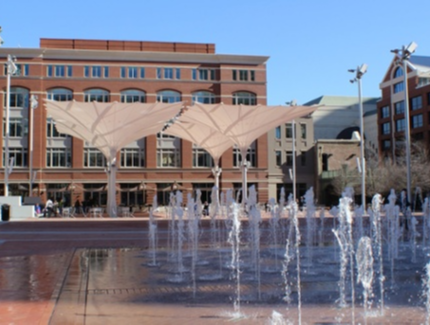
pixel 148 55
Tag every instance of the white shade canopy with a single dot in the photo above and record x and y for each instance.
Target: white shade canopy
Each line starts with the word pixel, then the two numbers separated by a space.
pixel 243 124
pixel 213 141
pixel 110 126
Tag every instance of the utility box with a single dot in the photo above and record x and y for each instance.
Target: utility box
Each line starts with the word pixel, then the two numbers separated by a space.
pixel 5 212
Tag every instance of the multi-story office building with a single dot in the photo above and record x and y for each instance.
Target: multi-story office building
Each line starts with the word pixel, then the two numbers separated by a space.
pixel 125 71
pixel 391 107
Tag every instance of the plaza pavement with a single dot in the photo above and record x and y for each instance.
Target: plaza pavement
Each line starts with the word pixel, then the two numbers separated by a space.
pixel 43 281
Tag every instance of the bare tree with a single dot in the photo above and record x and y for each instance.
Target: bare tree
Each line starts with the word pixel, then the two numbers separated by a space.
pixel 386 174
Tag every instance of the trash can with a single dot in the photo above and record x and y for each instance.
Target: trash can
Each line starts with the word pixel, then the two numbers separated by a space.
pixel 5 212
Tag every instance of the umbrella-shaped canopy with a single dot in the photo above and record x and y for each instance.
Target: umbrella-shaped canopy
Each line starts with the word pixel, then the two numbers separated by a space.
pixel 243 124
pixel 212 140
pixel 110 126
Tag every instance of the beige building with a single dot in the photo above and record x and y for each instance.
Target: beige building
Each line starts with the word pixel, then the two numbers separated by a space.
pixel 280 148
pixel 325 147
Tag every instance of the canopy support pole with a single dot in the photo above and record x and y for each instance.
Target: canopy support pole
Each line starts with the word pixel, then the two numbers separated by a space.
pixel 111 200
pixel 245 165
pixel 216 172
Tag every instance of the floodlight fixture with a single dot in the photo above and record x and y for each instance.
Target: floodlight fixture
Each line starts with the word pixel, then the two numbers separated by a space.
pixel 359 72
pixel 363 69
pixel 410 49
pixel 406 51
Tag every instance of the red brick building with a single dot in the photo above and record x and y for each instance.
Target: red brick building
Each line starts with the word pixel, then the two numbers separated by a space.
pixel 391 107
pixel 127 71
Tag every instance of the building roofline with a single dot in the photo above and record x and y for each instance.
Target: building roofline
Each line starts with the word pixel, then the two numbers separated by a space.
pixel 111 55
pixel 340 100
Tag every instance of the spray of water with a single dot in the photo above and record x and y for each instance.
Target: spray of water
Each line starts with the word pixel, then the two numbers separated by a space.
pixel 277 319
pixel 234 240
pixel 321 228
pixel 310 224
pixel 344 237
pixel 364 259
pixel 392 213
pixel 359 212
pixel 376 227
pixel 255 221
pixel 426 292
pixel 193 231
pixel 153 239
pixel 291 249
pixel 426 220
pixel 274 228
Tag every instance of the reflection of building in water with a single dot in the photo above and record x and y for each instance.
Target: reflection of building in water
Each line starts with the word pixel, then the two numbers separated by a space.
pixel 97 258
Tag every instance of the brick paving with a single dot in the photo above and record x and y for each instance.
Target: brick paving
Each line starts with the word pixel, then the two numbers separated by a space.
pixel 44 279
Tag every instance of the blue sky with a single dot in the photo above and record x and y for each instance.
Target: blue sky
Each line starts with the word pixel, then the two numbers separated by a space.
pixel 311 43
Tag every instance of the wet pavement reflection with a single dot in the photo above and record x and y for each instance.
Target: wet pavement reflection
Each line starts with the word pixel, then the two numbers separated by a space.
pixel 99 275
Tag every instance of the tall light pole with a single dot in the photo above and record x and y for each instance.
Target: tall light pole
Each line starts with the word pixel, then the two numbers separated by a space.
pixel 33 104
pixel 293 124
pixel 11 69
pixel 293 171
pixel 403 56
pixel 359 72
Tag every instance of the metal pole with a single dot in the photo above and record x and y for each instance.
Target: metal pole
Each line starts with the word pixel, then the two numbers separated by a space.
pixel 294 160
pixel 363 161
pixel 244 180
pixel 407 130
pixel 33 106
pixel 7 131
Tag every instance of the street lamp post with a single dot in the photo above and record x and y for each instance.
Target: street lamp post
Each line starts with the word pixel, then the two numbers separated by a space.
pixel 293 171
pixel 359 72
pixel 403 56
pixel 33 104
pixel 11 69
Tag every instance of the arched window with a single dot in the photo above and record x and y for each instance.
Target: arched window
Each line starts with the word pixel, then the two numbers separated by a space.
pixel 398 72
pixel 97 95
pixel 244 98
pixel 168 96
pixel 18 97
pixel 204 97
pixel 60 94
pixel 133 96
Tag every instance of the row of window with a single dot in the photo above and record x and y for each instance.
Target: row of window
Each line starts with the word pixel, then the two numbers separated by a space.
pixel 386 144
pixel 399 107
pixel 289 131
pixel 288 159
pixel 135 72
pixel 417 121
pixel 130 157
pixel 168 150
pixel 19 96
